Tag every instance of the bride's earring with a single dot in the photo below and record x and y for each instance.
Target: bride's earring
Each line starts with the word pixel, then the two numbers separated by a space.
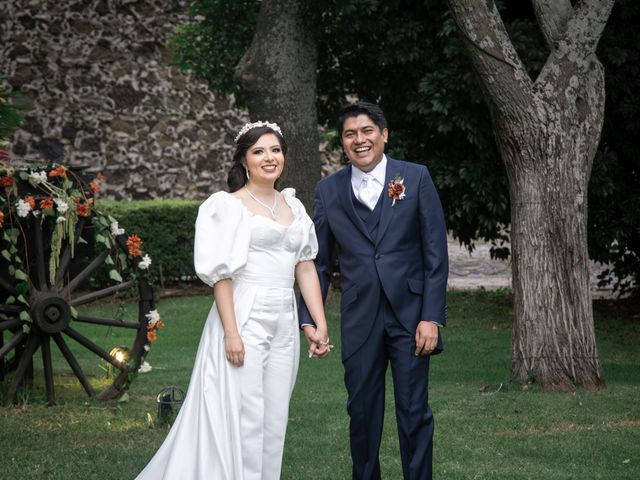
pixel 246 171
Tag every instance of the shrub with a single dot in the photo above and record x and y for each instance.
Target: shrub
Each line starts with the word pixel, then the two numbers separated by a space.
pixel 166 228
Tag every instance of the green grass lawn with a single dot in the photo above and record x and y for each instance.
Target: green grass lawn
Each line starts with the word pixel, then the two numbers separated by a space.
pixel 512 432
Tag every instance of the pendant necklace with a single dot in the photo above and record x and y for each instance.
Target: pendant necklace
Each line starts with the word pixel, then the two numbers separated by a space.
pixel 271 209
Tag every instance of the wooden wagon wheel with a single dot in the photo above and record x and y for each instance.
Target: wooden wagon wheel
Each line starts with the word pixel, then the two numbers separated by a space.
pixel 57 307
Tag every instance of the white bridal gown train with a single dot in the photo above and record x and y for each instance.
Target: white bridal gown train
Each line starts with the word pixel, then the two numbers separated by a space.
pixel 232 423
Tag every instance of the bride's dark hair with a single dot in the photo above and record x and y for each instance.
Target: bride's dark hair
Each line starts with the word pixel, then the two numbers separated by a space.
pixel 237 176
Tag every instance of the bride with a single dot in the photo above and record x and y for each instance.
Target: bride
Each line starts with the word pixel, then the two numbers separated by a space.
pixel 250 245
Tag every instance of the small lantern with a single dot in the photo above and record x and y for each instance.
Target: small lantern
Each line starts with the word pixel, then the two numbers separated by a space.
pixel 121 355
pixel 169 401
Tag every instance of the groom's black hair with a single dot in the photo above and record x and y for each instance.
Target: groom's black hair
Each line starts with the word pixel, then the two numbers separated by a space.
pixel 373 111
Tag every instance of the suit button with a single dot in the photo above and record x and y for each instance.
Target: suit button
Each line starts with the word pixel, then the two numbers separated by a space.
pixel 378 256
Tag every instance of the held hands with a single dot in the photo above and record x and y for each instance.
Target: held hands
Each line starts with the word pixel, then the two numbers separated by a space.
pixel 426 337
pixel 234 349
pixel 318 339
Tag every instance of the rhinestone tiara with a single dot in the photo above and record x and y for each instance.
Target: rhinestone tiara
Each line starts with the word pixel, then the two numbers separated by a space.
pixel 249 126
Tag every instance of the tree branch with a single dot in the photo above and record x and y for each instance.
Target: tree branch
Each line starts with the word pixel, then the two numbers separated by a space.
pixel 552 16
pixel 585 28
pixel 574 50
pixel 499 69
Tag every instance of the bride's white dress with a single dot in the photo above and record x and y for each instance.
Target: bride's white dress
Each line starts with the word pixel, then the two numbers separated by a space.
pixel 232 423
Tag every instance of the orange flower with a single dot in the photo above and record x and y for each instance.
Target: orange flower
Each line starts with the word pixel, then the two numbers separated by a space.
pixel 100 177
pixel 6 181
pixel 152 335
pixel 160 324
pixel 95 188
pixel 59 172
pixel 82 210
pixel 46 204
pixel 1 219
pixel 133 243
pixel 31 201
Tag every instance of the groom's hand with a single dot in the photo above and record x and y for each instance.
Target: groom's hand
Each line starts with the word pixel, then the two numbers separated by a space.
pixel 316 347
pixel 426 337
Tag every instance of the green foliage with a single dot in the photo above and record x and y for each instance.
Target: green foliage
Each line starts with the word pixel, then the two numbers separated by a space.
pixel 166 228
pixel 614 194
pixel 516 434
pixel 213 43
pixel 408 57
pixel 9 116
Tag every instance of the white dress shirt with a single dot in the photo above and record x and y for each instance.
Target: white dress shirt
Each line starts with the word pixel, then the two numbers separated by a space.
pixel 368 186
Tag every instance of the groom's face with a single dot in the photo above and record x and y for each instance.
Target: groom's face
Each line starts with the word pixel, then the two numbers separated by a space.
pixel 363 142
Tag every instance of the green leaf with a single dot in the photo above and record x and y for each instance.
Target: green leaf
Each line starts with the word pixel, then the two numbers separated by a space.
pixel 24 316
pixel 20 275
pixel 10 300
pixel 114 275
pixel 108 260
pixel 74 312
pixel 5 254
pixel 26 328
pixel 23 287
pixel 102 239
pixel 22 299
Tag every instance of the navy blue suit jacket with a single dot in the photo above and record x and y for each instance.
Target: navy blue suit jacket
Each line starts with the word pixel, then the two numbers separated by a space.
pixel 407 261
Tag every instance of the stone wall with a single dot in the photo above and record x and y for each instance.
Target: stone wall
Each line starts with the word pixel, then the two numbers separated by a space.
pixel 100 91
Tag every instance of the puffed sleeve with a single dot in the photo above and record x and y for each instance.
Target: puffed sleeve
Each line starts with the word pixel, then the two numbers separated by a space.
pixel 222 238
pixel 309 245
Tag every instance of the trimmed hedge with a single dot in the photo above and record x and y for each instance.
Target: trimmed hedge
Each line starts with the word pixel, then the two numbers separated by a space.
pixel 167 229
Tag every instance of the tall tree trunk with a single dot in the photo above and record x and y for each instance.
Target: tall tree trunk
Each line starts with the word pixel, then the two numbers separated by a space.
pixel 547 132
pixel 278 77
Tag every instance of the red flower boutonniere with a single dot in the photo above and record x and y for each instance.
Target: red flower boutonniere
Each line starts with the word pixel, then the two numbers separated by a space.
pixel 396 189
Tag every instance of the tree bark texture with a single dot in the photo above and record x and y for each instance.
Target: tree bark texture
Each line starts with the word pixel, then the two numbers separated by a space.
pixel 277 75
pixel 547 131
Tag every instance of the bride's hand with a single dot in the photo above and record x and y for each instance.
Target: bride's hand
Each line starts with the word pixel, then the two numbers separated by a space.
pixel 234 349
pixel 318 341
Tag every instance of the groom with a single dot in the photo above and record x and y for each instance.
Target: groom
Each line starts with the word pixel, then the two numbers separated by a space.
pixel 385 218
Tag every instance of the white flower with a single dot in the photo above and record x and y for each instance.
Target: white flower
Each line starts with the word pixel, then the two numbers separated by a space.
pixel 60 219
pixel 147 347
pixel 23 208
pixel 153 316
pixel 145 367
pixel 116 230
pixel 145 263
pixel 62 205
pixel 36 178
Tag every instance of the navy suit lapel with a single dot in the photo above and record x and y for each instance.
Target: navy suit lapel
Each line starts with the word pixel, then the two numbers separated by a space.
pixel 344 194
pixel 393 169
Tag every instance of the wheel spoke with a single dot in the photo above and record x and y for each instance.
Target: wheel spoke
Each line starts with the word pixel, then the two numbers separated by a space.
pixel 39 246
pixel 23 365
pixel 78 279
pixel 7 286
pixel 73 363
pixel 107 321
pixel 1 358
pixel 10 308
pixel 105 292
pixel 65 258
pixel 9 324
pixel 89 345
pixel 15 340
pixel 48 370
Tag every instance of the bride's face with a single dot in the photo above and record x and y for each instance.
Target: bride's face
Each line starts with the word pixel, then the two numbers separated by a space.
pixel 265 159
